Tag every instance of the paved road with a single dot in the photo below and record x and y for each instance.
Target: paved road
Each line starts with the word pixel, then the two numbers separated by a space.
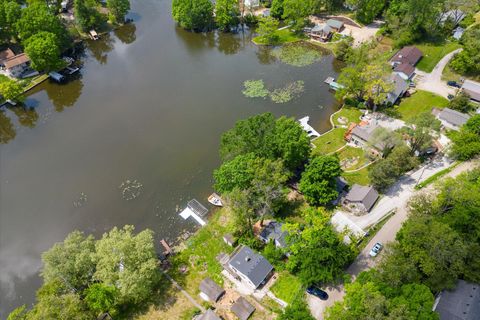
pixel 363 261
pixel 433 81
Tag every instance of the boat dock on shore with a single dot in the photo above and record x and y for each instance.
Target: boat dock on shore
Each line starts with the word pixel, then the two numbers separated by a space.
pixel 195 210
pixel 312 133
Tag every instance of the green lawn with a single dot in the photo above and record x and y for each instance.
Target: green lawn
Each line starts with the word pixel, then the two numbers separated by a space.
pixel 432 54
pixel 419 102
pixel 359 177
pixel 352 158
pixel 284 36
pixel 329 142
pixel 351 114
pixel 287 287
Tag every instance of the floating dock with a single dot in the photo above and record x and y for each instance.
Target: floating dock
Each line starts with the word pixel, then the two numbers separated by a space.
pixel 195 210
pixel 310 131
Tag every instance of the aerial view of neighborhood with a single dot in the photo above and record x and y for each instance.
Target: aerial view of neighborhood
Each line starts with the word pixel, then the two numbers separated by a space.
pixel 240 159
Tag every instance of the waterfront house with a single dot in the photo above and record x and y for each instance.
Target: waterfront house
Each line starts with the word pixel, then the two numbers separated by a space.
pixel 208 315
pixel 17 65
pixel 362 133
pixel 5 55
pixel 360 199
pixel 242 308
pixel 462 302
pixel 210 291
pixel 451 119
pixel 321 32
pixel 400 86
pixel 252 268
pixel 409 55
pixel 472 88
pixel 273 232
pixel 336 25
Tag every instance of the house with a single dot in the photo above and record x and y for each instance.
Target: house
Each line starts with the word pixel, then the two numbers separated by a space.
pixel 455 16
pixel 321 32
pixel 400 86
pixel 5 55
pixel 273 232
pixel 461 303
pixel 229 239
pixel 409 55
pixel 242 308
pixel 210 291
pixel 405 71
pixel 251 267
pixel 472 88
pixel 451 119
pixel 208 315
pixel 361 134
pixel 360 199
pixel 336 25
pixel 17 65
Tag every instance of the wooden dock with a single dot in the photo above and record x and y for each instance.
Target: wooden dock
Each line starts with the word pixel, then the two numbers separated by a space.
pixel 166 248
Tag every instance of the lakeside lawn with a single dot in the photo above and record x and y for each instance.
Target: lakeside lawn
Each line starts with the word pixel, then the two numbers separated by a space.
pixel 419 102
pixel 329 142
pixel 351 114
pixel 352 158
pixel 284 36
pixel 359 177
pixel 433 53
pixel 287 287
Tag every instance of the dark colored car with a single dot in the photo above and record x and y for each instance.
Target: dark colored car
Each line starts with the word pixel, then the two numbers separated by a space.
pixel 319 293
pixel 454 84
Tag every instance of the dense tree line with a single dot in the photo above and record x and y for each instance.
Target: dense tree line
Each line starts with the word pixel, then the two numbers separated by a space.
pixel 468 61
pixel 437 245
pixel 84 277
pixel 466 142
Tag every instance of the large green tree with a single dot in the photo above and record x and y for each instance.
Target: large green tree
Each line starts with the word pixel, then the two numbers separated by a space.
pixel 63 307
pixel 118 9
pixel 421 131
pixel 468 61
pixel 43 51
pixel 196 15
pixel 466 142
pixel 296 12
pixel 276 10
pixel 226 14
pixel 318 182
pixel 367 10
pixel 267 28
pixel 11 90
pixel 86 14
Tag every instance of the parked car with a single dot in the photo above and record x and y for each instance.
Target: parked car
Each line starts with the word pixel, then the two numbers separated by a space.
pixel 376 249
pixel 450 96
pixel 454 84
pixel 317 292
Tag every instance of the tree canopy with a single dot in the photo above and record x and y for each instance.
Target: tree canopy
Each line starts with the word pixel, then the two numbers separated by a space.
pixel 118 9
pixel 466 142
pixel 226 14
pixel 43 51
pixel 196 15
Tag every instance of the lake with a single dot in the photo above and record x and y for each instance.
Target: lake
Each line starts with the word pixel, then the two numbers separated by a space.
pixel 150 105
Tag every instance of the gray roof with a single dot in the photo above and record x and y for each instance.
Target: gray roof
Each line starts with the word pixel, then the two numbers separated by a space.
pixel 365 132
pixel 462 303
pixel 212 290
pixel 242 308
pixel 458 33
pixel 472 88
pixel 322 28
pixel 252 265
pixel 209 315
pixel 366 195
pixel 335 23
pixel 454 117
pixel 400 86
pixel 273 231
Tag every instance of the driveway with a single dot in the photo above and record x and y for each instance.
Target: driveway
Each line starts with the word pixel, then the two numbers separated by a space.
pixel 386 234
pixel 361 34
pixel 433 81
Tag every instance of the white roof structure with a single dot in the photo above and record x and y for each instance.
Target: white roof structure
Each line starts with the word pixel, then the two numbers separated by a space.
pixel 310 131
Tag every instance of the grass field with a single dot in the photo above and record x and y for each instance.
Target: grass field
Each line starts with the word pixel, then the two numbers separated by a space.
pixel 433 53
pixel 288 287
pixel 359 177
pixel 351 114
pixel 329 142
pixel 351 153
pixel 419 102
pixel 284 36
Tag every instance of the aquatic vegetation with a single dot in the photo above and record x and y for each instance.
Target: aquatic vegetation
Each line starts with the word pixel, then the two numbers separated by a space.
pixel 298 55
pixel 255 89
pixel 80 201
pixel 288 92
pixel 130 189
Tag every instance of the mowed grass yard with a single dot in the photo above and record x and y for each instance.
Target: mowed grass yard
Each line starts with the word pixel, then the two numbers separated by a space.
pixel 287 287
pixel 359 177
pixel 352 158
pixel 419 102
pixel 329 142
pixel 351 114
pixel 284 36
pixel 433 53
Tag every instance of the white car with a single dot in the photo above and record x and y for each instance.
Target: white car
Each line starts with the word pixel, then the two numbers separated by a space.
pixel 376 249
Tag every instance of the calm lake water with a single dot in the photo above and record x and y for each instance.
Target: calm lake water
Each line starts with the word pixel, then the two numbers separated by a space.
pixel 150 105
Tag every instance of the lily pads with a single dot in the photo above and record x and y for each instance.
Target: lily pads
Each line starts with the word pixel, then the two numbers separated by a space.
pixel 298 55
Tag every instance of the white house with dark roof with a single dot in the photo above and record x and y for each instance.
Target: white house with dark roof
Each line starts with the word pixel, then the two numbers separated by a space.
pixel 460 303
pixel 252 268
pixel 360 199
pixel 17 65
pixel 451 119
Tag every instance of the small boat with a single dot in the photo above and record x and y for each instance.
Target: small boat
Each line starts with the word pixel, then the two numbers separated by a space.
pixel 93 35
pixel 215 200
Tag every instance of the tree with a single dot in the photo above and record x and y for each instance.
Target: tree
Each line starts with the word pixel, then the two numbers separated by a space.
pixel 317 252
pixel 10 12
pixel 226 14
pixel 466 142
pixel 127 262
pixel 101 298
pixel 343 49
pixel 267 28
pixel 71 262
pixel 235 174
pixel 297 310
pixel 461 102
pixel 473 124
pixel 367 10
pixel 19 313
pixel 296 13
pixel 63 307
pixel 36 17
pixel 43 51
pixel 468 61
pixel 7 129
pixel 196 15
pixel 276 9
pixel 11 90
pixel 86 14
pixel 118 9
pixel 239 201
pixel 318 182
pixel 421 132
pixel 377 81
pixel 386 139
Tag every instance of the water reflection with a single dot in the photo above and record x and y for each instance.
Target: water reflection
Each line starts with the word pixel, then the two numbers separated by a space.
pixel 265 56
pixel 27 116
pixel 66 95
pixel 7 130
pixel 101 48
pixel 126 33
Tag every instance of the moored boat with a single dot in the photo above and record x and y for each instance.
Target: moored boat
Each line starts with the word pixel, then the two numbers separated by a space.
pixel 215 200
